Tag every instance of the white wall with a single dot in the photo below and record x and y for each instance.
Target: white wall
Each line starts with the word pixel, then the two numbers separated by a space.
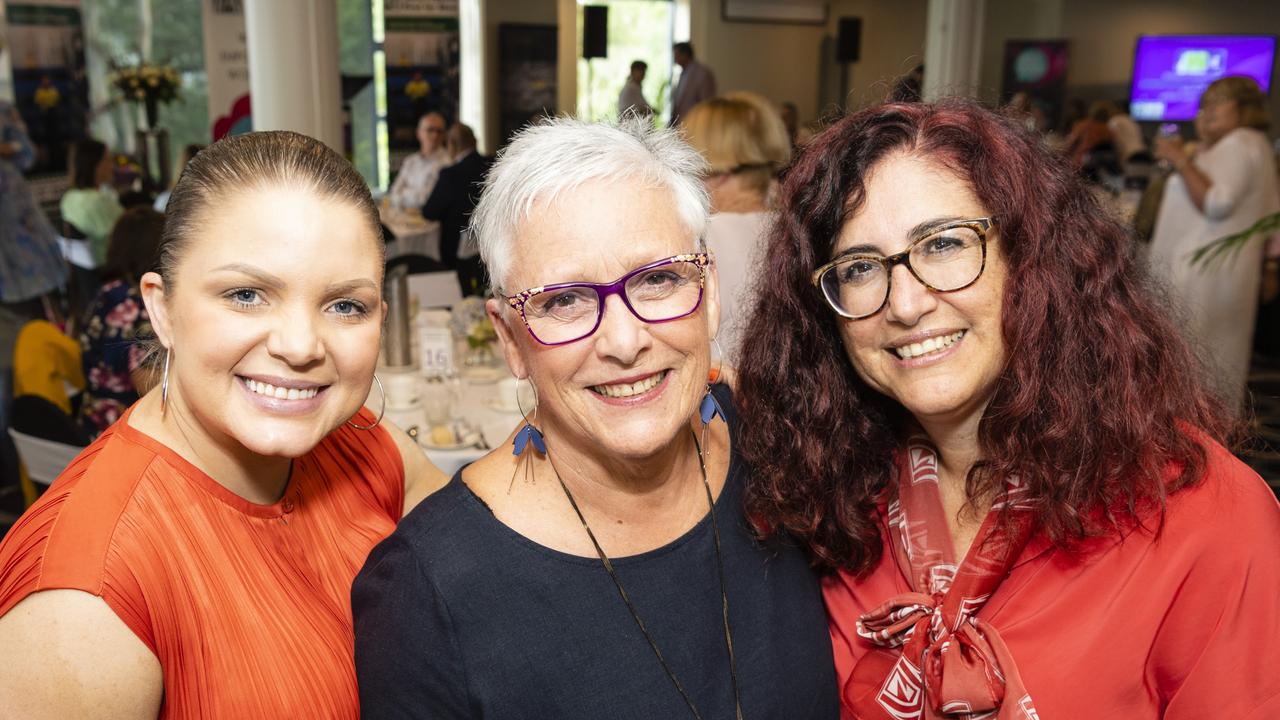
pixel 796 62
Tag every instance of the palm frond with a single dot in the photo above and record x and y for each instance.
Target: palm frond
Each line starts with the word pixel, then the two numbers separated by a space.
pixel 1206 256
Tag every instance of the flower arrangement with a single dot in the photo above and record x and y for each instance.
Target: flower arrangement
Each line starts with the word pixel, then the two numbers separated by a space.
pixel 149 85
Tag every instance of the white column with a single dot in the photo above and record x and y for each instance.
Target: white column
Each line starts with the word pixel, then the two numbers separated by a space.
pixel 953 48
pixel 471 72
pixel 567 49
pixel 293 67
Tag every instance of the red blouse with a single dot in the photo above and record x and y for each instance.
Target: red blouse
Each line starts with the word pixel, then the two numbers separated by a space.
pixel 246 606
pixel 1186 625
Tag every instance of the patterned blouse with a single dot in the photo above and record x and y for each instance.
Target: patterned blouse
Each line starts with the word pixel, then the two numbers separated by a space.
pixel 110 352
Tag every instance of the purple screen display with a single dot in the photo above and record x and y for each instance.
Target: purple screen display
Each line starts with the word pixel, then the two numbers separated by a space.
pixel 1171 71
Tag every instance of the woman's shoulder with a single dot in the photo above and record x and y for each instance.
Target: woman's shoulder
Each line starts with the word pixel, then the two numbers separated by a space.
pixel 1230 503
pixel 446 522
pixel 72 535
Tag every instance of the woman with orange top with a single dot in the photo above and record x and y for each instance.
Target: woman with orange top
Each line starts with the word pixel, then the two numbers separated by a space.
pixel 197 559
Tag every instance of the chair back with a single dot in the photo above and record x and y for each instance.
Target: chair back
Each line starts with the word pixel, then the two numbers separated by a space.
pixel 44 460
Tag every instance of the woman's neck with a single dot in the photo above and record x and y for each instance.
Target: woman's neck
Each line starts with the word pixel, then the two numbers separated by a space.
pixel 256 478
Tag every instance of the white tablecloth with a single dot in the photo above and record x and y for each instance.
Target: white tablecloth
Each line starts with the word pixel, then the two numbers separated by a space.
pixel 414 235
pixel 475 405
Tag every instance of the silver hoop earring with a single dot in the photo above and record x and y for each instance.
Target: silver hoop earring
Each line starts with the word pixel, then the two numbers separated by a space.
pixel 719 356
pixel 381 411
pixel 164 382
pixel 520 407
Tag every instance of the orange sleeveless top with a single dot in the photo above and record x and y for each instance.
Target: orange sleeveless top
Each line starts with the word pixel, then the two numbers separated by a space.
pixel 247 607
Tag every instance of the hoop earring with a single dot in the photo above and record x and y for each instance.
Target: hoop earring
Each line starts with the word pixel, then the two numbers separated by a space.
pixel 381 411
pixel 164 382
pixel 528 433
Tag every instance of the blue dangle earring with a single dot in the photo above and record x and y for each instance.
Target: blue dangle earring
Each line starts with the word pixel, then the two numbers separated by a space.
pixel 528 434
pixel 710 406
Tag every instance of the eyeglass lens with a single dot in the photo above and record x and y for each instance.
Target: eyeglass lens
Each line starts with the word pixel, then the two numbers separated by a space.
pixel 947 260
pixel 572 312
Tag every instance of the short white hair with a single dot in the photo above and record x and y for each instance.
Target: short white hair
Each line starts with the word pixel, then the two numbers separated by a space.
pixel 559 154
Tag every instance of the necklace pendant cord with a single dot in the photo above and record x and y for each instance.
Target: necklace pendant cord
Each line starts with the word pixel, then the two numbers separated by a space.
pixel 626 599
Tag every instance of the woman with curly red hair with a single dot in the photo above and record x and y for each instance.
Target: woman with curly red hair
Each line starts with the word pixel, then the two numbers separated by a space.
pixel 969 403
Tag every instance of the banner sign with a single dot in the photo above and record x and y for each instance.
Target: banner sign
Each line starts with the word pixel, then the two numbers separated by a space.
pixel 226 61
pixel 421 47
pixel 46 50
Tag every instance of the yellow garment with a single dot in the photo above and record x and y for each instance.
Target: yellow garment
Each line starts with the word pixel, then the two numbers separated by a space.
pixel 44 362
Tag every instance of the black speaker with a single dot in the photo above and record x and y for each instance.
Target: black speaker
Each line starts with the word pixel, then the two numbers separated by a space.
pixel 595 31
pixel 849 40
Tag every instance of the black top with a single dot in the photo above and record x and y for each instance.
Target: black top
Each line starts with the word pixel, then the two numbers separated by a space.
pixel 452 200
pixel 459 616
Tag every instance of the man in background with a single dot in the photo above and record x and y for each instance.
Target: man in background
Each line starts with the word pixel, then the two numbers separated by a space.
pixel 697 82
pixel 418 172
pixel 631 99
pixel 452 201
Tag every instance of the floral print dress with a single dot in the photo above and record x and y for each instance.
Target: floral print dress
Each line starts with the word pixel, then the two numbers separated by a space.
pixel 110 352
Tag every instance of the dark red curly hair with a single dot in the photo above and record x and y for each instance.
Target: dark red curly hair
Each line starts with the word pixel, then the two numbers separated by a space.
pixel 1092 408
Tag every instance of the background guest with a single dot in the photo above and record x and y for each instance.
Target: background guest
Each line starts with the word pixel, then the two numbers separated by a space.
pixel 1090 132
pixel 31 264
pixel 188 152
pixel 112 353
pixel 631 99
pixel 696 83
pixel 745 143
pixel 1227 186
pixel 46 363
pixel 90 208
pixel 419 170
pixel 452 201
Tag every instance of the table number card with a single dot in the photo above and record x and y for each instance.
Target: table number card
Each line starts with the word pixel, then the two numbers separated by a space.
pixel 435 350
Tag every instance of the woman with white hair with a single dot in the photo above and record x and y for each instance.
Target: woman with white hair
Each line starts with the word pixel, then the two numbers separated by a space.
pixel 599 564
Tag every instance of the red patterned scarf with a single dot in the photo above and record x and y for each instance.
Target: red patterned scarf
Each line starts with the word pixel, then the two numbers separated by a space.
pixel 937 659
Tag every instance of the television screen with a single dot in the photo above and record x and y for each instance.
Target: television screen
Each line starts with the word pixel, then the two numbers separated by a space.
pixel 1171 71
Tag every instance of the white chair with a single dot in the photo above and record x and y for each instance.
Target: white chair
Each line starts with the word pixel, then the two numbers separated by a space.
pixel 44 460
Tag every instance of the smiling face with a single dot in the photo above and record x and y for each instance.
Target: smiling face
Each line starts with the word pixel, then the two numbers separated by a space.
pixel 273 316
pixel 1217 117
pixel 938 354
pixel 625 390
pixel 431 131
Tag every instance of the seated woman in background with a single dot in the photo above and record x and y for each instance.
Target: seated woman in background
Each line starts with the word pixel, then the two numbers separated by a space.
pixel 196 560
pixel 606 569
pixel 745 143
pixel 90 207
pixel 111 351
pixel 966 399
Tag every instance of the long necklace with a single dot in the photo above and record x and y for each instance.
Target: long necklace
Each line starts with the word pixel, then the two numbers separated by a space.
pixel 626 599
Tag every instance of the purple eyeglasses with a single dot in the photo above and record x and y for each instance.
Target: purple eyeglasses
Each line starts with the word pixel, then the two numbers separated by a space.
pixel 661 291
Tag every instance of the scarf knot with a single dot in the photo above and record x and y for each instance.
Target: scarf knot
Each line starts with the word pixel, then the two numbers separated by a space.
pixel 934 658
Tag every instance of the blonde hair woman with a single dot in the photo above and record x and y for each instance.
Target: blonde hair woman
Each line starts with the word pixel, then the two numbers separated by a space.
pixel 745 144
pixel 1226 186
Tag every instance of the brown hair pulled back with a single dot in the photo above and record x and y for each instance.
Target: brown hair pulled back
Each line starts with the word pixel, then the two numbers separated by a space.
pixel 253 161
